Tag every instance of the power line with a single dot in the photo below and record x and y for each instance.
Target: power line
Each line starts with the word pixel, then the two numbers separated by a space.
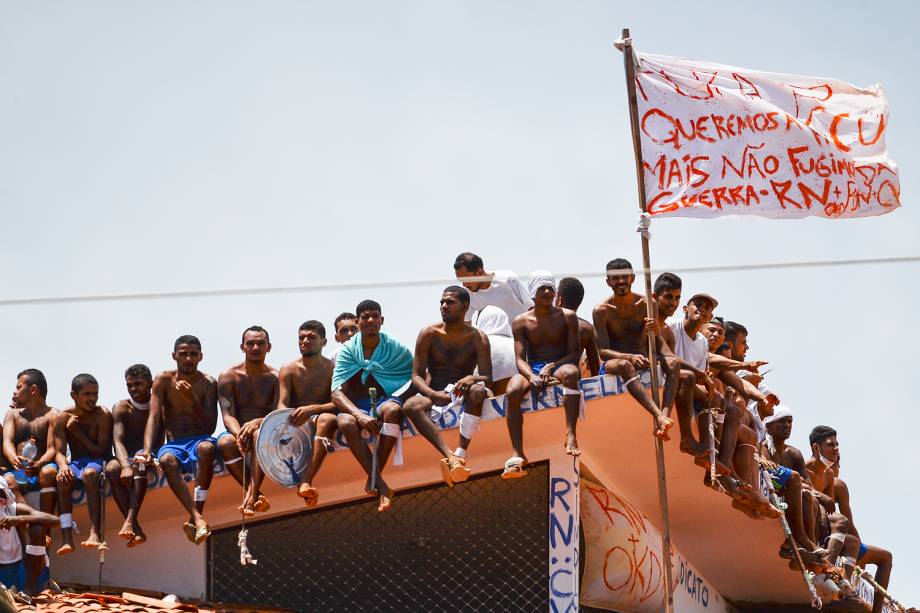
pixel 292 289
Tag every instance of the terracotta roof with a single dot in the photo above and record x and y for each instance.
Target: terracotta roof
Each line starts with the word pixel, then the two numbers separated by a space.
pixel 51 602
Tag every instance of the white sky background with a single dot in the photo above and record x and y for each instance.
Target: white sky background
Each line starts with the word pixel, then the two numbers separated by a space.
pixel 175 146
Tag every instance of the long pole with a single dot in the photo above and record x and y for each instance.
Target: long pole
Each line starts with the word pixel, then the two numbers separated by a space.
pixel 629 62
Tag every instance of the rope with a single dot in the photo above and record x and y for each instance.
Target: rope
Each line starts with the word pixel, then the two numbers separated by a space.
pixel 245 557
pixel 806 576
pixel 102 545
pixel 868 578
pixel 247 291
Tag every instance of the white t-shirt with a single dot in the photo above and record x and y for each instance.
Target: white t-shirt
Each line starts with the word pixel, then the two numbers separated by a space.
pixel 10 547
pixel 506 292
pixel 694 351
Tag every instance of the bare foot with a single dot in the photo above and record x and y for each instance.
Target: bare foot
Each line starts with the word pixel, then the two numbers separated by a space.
pixel 92 542
pixel 309 494
pixel 127 531
pixel 64 549
pixel 693 448
pixel 139 538
pixel 571 446
pixel 246 510
pixel 261 505
pixel 662 425
pixel 386 501
pixel 705 462
pixel 368 489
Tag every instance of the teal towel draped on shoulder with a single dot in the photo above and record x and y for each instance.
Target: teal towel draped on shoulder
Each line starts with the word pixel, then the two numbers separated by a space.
pixel 390 364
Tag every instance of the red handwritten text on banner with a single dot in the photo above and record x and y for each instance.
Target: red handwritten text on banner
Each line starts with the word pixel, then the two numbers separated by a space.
pixel 719 140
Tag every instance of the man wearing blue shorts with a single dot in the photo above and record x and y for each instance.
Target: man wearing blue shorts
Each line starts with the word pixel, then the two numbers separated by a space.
pixel 547 349
pixel 31 419
pixel 371 378
pixel 456 358
pixel 185 400
pixel 86 428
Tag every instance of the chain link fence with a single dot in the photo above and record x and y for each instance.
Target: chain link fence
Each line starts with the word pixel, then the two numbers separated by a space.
pixel 479 546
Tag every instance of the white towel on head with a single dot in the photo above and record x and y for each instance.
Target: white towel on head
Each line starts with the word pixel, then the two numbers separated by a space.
pixel 538 279
pixel 779 412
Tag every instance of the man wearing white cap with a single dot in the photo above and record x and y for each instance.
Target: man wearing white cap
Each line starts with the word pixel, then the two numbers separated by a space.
pixel 547 348
pixel 788 475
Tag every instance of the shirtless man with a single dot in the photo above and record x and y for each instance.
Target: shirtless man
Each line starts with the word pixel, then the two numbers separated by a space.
pixel 353 384
pixel 547 350
pixel 345 326
pixel 834 528
pixel 570 295
pixel 305 387
pixel 622 327
pixel 185 402
pixel 790 478
pixel 87 428
pixel 30 418
pixel 127 476
pixel 247 393
pixel 446 356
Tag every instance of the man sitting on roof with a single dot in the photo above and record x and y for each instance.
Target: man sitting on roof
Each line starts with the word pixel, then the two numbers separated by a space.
pixel 789 477
pixel 447 354
pixel 547 349
pixel 570 295
pixel 371 379
pixel 247 392
pixel 87 428
pixel 622 327
pixel 866 554
pixel 502 289
pixel 127 476
pixel 304 386
pixel 30 419
pixel 185 402
pixel 345 326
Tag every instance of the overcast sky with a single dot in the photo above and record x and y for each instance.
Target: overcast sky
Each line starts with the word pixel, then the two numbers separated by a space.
pixel 176 146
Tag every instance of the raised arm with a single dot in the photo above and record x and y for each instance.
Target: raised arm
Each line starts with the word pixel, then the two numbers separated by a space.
pixel 27 515
pixel 842 495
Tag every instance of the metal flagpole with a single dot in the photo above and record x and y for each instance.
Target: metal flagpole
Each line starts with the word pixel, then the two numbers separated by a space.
pixel 629 61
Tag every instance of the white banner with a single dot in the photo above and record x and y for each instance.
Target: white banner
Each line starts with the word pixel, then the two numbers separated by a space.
pixel 719 140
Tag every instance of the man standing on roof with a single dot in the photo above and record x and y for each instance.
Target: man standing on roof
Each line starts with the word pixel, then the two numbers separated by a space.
pixel 185 401
pixel 622 327
pixel 86 428
pixel 372 376
pixel 570 295
pixel 503 289
pixel 304 386
pixel 247 393
pixel 446 356
pixel 547 349
pixel 128 476
pixel 30 419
